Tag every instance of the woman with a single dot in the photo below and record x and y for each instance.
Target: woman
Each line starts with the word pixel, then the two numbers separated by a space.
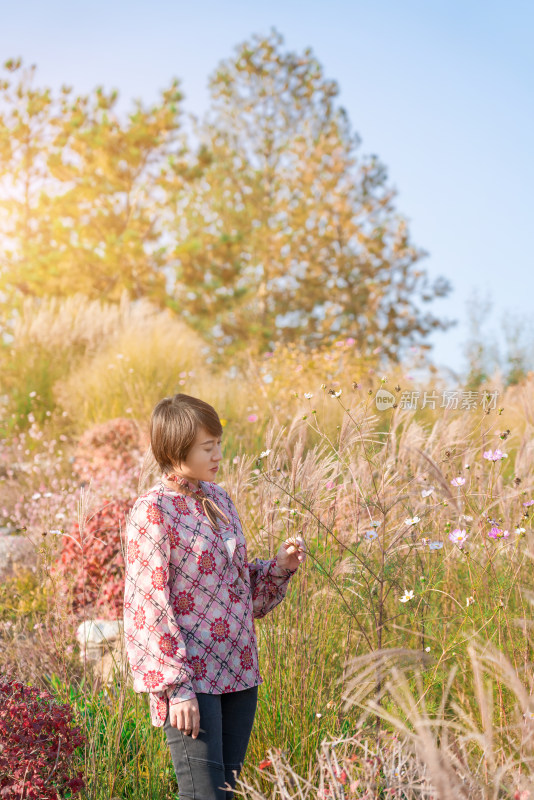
pixel 190 600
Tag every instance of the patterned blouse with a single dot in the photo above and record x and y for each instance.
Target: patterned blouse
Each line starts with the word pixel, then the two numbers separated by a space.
pixel 191 597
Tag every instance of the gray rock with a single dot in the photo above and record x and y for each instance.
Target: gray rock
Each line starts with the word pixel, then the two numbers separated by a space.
pixel 102 647
pixel 15 550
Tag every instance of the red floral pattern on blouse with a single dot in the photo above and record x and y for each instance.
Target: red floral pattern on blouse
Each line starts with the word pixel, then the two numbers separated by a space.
pixel 189 607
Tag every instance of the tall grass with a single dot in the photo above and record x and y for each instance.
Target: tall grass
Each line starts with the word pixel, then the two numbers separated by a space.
pixel 441 692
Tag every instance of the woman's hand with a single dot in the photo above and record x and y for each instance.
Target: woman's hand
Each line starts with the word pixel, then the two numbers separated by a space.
pixel 292 553
pixel 185 716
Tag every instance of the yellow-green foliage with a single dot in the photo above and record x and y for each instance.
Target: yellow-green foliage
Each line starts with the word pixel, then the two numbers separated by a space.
pixel 23 596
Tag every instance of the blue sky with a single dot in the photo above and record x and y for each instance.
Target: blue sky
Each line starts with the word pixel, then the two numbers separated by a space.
pixel 442 92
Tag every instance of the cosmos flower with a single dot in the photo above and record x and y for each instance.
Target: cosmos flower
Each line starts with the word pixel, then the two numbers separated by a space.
pixel 458 536
pixel 459 481
pixel 498 533
pixel 427 492
pixel 435 545
pixel 264 454
pixel 370 535
pixel 411 521
pixel 494 455
pixel 252 418
pixel 406 596
pixel 308 395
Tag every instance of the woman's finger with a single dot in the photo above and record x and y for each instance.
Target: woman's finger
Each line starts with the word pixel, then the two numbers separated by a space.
pixel 302 544
pixel 196 724
pixel 189 722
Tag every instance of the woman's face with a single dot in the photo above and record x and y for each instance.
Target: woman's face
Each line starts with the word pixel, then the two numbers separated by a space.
pixel 202 460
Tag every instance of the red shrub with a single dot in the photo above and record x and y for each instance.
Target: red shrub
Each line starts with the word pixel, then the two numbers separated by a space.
pixel 95 559
pixel 37 744
pixel 113 447
pixel 109 455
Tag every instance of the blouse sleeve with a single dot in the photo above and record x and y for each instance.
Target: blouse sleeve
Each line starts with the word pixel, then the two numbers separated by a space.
pixel 154 642
pixel 269 584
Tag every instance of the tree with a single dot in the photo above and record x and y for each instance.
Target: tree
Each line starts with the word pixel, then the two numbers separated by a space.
pixel 83 194
pixel 288 236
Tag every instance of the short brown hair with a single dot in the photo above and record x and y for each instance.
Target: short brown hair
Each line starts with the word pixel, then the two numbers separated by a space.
pixel 174 424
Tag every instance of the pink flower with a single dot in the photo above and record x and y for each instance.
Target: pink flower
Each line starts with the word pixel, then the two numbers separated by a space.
pixel 350 340
pixel 458 536
pixel 494 455
pixel 329 484
pixel 529 503
pixel 459 481
pixel 498 533
pixel 252 418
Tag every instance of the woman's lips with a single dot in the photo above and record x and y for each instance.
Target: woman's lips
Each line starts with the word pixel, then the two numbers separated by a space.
pixel 214 469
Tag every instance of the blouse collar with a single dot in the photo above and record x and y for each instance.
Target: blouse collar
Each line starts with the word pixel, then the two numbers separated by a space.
pixel 187 485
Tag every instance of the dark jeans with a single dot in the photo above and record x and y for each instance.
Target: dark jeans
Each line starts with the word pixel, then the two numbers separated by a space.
pixel 204 764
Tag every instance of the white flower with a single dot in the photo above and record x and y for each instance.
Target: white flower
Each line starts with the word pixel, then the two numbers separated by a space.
pixel 308 395
pixel 47 494
pixel 520 530
pixel 458 481
pixel 264 454
pixel 406 596
pixel 435 545
pixel 32 394
pixel 375 524
pixel 336 394
pixel 36 496
pixel 56 531
pixel 411 521
pixel 370 535
pixel 469 601
pixel 427 649
pixel 427 492
pixel 318 715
